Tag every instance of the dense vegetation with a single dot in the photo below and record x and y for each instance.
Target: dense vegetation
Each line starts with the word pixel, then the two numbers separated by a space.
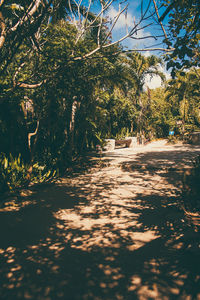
pixel 183 34
pixel 57 101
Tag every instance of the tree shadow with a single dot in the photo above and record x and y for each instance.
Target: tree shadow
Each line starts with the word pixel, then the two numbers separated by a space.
pixel 169 164
pixel 99 236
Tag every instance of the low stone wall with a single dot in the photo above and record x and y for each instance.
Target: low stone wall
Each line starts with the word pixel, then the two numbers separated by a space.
pixel 133 141
pixel 110 145
pixel 123 143
pixel 129 142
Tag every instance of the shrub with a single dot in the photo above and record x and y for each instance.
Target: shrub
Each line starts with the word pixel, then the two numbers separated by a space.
pixel 13 173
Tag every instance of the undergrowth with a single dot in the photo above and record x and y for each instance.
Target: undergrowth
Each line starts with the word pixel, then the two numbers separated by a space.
pixel 15 174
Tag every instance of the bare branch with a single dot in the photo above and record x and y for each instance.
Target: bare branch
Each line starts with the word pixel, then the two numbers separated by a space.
pixel 78 9
pixel 3 30
pixel 167 11
pixel 87 13
pixel 23 84
pixel 160 22
pixel 106 6
pixel 147 9
pixel 116 19
pixel 87 55
pixel 143 18
pixel 32 134
pixel 30 86
pixel 126 13
pixel 16 73
pixel 100 26
pixel 30 11
pixel 144 37
pixel 117 42
pixel 149 49
pixel 90 25
pixel 129 34
pixel 73 16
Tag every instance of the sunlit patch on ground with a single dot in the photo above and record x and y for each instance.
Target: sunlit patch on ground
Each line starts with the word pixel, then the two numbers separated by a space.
pixel 103 229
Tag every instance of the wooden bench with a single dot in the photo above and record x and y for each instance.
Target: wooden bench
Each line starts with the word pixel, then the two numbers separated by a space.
pixel 123 143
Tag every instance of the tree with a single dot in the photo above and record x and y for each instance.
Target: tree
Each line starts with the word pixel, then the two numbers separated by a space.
pixel 182 18
pixel 139 67
pixel 65 102
pixel 160 118
pixel 22 23
pixel 183 93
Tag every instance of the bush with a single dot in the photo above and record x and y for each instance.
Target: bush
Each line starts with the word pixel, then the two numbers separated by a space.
pixel 14 173
pixel 191 188
pixel 42 174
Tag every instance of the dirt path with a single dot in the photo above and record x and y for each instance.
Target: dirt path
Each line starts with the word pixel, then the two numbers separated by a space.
pixel 113 233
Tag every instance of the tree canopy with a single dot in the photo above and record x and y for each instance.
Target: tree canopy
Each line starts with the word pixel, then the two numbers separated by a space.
pixel 182 18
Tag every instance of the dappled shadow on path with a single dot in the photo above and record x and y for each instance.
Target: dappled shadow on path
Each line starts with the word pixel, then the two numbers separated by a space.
pixel 169 164
pixel 116 233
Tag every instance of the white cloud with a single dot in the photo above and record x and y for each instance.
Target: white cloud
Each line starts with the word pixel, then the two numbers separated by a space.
pixel 155 81
pixel 123 21
pixel 139 40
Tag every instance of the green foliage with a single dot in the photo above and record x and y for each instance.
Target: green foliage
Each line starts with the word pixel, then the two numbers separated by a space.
pixel 114 113
pixel 183 95
pixel 15 174
pixel 160 117
pixel 12 173
pixel 42 174
pixel 183 23
pixel 124 132
pixel 191 188
pixel 66 104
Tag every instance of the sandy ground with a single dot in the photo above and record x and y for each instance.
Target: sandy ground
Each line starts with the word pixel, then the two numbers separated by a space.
pixel 116 232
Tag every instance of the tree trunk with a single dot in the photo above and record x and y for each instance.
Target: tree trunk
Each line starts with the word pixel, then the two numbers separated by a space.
pixel 31 147
pixel 71 127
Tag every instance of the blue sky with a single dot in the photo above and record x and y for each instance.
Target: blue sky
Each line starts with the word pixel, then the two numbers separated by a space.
pixel 126 20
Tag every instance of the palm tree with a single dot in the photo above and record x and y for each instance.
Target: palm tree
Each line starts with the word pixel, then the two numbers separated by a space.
pixel 139 67
pixel 184 92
